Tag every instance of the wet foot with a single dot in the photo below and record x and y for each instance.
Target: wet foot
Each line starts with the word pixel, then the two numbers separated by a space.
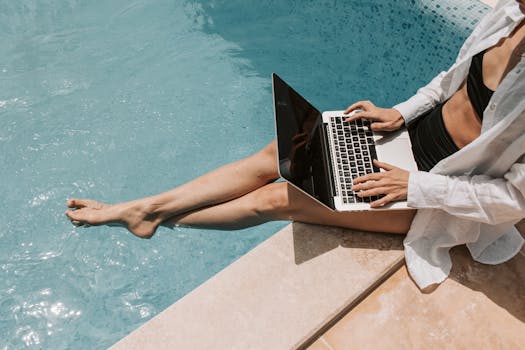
pixel 131 215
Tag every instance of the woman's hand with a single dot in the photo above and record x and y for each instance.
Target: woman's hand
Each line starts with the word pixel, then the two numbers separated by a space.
pixel 383 119
pixel 393 183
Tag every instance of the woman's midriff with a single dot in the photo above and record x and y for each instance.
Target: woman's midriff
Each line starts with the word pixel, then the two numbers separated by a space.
pixel 460 119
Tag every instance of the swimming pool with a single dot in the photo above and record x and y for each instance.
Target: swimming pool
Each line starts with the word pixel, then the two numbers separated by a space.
pixel 123 99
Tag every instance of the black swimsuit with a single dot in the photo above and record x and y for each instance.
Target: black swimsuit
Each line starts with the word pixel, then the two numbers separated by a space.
pixel 478 93
pixel 430 139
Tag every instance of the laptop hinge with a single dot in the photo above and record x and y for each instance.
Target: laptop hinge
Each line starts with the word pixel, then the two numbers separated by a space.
pixel 330 183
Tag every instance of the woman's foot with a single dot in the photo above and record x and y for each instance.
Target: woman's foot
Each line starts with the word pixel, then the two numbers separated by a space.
pixel 131 215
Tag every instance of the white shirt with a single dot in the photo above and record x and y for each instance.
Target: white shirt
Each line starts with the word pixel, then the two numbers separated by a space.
pixel 476 195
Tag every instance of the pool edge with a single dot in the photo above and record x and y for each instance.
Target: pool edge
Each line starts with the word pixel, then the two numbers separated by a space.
pixel 279 295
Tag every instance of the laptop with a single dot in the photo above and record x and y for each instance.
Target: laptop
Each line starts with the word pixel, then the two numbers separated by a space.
pixel 320 154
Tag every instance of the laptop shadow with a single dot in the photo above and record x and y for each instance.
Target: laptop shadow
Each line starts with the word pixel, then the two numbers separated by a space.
pixel 311 241
pixel 502 284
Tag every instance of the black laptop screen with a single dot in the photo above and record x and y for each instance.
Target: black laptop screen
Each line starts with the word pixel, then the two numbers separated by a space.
pixel 299 132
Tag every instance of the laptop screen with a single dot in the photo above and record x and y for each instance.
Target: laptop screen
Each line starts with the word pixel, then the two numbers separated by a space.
pixel 300 140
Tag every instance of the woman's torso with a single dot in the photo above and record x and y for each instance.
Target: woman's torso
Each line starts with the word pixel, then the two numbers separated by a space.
pixel 459 115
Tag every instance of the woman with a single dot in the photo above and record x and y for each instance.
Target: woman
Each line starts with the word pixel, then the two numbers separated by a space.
pixel 467 133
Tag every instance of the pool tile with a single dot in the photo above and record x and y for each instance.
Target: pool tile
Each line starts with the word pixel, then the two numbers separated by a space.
pixel 491 3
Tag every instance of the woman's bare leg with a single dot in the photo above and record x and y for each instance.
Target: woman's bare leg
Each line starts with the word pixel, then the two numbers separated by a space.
pixel 281 201
pixel 143 216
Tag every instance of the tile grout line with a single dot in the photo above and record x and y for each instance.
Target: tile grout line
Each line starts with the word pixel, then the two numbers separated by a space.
pixel 326 343
pixel 490 3
pixel 309 340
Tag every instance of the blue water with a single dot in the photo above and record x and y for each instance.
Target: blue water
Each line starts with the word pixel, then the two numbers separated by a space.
pixel 120 99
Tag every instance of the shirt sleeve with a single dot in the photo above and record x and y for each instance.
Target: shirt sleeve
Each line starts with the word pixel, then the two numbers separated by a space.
pixel 425 99
pixel 477 198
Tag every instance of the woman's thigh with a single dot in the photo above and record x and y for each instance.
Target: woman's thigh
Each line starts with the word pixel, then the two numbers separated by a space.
pixel 295 205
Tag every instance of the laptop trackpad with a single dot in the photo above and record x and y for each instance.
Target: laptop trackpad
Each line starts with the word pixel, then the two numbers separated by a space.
pixel 397 152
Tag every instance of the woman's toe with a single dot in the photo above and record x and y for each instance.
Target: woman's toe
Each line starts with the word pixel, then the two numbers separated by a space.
pixel 78 203
pixel 84 203
pixel 77 223
pixel 71 203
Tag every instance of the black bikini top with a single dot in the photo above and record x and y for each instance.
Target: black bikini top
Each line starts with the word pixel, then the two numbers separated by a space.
pixel 478 92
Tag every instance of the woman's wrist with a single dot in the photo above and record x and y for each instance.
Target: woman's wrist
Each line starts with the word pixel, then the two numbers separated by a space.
pixel 399 121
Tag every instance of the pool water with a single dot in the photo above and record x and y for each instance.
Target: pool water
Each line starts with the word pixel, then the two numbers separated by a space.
pixel 120 99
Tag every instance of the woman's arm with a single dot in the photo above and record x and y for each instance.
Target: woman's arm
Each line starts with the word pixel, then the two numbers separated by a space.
pixel 383 119
pixel 426 98
pixel 477 198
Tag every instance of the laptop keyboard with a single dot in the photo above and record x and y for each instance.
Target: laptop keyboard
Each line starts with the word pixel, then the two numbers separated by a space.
pixel 354 151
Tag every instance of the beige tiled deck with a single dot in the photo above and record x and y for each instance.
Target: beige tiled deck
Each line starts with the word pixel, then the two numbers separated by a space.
pixel 277 296
pixel 478 307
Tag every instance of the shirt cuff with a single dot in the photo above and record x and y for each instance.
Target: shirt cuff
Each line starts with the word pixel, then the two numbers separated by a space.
pixel 413 107
pixel 426 190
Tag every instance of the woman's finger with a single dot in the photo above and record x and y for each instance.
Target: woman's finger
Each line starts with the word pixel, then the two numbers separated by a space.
pixel 368 177
pixel 378 126
pixel 354 106
pixel 372 192
pixel 369 185
pixel 354 117
pixel 370 115
pixel 364 105
pixel 384 166
pixel 383 200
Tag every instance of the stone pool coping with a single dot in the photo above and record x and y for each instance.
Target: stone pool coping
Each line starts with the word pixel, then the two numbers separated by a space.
pixel 478 307
pixel 279 295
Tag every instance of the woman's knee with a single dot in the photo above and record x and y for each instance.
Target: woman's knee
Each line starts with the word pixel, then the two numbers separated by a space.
pixel 267 161
pixel 272 201
pixel 270 150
